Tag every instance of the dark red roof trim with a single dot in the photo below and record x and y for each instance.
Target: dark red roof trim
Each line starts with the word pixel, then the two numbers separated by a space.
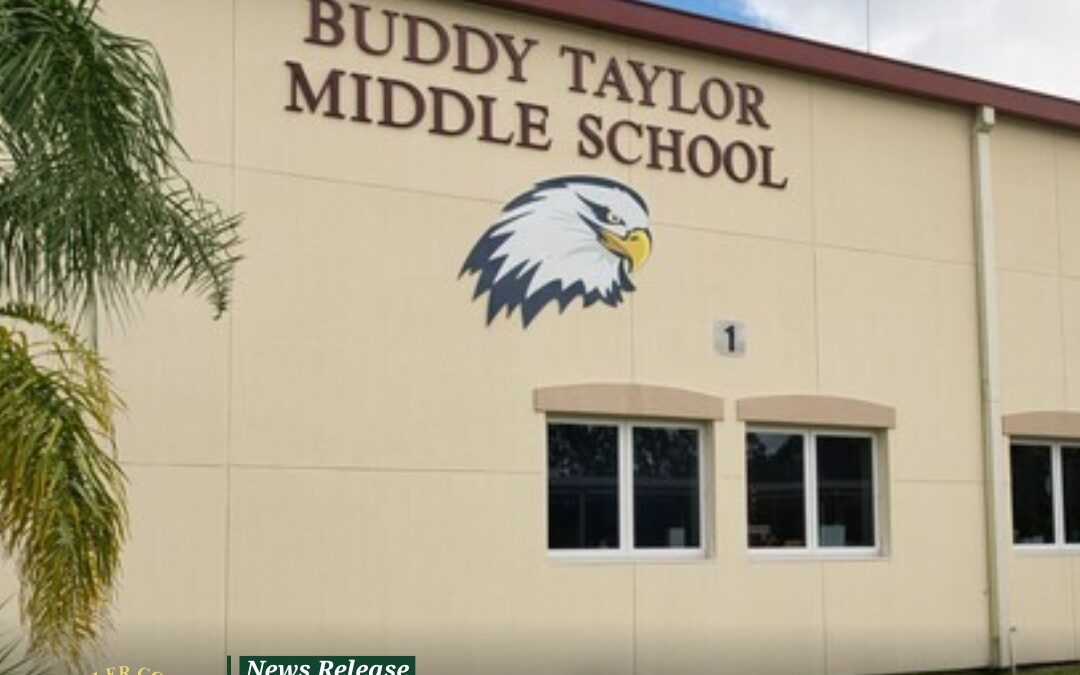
pixel 709 35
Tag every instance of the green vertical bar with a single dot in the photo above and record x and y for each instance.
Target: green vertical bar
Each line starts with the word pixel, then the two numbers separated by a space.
pixel 228 665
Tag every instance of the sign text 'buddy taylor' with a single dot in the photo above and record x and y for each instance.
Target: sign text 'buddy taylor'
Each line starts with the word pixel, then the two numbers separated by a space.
pixel 366 98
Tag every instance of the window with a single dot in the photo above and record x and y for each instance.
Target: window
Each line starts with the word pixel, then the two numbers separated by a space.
pixel 1046 494
pixel 811 491
pixel 624 488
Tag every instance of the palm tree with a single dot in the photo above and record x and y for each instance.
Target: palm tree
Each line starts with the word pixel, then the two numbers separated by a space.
pixel 62 511
pixel 93 212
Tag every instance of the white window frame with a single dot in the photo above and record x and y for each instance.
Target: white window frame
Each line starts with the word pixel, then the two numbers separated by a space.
pixel 626 552
pixel 1057 494
pixel 813 549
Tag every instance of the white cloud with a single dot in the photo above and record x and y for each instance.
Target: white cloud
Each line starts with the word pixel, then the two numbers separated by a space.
pixel 1027 43
pixel 839 22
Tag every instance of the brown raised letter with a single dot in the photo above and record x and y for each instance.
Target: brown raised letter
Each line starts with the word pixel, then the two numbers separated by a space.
pixel 362 41
pixel 487 122
pixel 613 78
pixel 591 146
pixel 438 112
pixel 727 98
pixel 442 37
pixel 766 169
pixel 716 156
pixel 750 100
pixel 534 124
pixel 389 86
pixel 677 104
pixel 751 162
pixel 647 82
pixel 613 141
pixel 464 63
pixel 361 115
pixel 517 58
pixel 578 57
pixel 331 89
pixel 320 21
pixel 657 146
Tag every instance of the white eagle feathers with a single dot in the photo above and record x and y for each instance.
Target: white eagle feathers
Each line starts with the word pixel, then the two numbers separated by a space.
pixel 569 237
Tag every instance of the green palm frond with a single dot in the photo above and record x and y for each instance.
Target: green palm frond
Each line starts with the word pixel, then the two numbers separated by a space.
pixel 62 513
pixel 93 212
pixel 92 206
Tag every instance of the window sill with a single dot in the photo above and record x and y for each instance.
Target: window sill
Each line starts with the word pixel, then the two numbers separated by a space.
pixel 816 556
pixel 1036 550
pixel 608 556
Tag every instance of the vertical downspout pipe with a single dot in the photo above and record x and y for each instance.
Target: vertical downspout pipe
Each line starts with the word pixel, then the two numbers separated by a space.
pixel 997 540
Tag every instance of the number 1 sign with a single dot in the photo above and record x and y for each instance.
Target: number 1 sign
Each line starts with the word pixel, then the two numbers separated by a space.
pixel 729 338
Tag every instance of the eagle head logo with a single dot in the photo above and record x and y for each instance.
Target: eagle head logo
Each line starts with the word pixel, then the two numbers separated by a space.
pixel 569 237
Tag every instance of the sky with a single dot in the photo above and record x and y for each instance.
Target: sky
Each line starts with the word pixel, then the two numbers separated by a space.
pixel 1033 44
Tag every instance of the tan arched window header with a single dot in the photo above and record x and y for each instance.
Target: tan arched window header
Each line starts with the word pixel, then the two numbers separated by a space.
pixel 816 411
pixel 637 400
pixel 1043 424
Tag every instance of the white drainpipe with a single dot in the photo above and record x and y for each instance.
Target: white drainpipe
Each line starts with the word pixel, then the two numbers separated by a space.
pixel 998 545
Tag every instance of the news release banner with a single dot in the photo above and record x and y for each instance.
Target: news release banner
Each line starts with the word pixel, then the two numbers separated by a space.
pixel 325 665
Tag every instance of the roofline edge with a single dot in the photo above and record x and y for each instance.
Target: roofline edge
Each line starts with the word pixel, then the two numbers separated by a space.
pixel 704 34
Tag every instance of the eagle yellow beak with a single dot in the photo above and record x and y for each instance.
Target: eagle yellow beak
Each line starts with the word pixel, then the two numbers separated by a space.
pixel 635 246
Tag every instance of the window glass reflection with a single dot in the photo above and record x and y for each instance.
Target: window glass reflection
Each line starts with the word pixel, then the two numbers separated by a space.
pixel 583 486
pixel 1032 495
pixel 775 490
pixel 666 488
pixel 1070 475
pixel 845 491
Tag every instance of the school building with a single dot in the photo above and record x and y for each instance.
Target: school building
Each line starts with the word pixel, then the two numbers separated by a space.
pixel 597 338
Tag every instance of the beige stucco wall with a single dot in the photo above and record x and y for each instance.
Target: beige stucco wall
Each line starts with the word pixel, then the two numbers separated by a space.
pixel 349 461
pixel 1038 219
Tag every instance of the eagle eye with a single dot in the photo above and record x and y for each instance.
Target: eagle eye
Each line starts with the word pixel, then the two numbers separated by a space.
pixel 602 213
